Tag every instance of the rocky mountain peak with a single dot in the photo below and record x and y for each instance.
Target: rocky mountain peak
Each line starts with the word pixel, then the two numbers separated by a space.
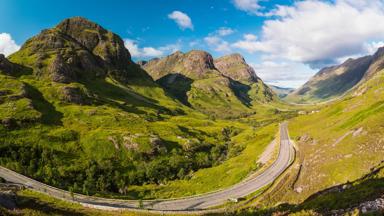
pixel 199 61
pixel 235 67
pixel 379 53
pixel 77 49
pixel 105 44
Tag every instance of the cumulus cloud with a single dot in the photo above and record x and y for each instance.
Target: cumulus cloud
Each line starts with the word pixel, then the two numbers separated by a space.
pixel 181 19
pixel 149 52
pixel 224 31
pixel 7 44
pixel 250 6
pixel 216 42
pixel 283 73
pixel 318 33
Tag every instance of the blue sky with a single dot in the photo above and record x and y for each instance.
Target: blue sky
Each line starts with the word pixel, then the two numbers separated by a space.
pixel 285 41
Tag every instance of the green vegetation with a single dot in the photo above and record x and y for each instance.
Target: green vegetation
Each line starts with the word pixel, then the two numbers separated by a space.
pixel 34 203
pixel 339 158
pixel 75 121
pixel 78 114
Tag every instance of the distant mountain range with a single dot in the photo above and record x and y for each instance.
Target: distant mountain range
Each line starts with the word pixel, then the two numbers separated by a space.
pixel 331 82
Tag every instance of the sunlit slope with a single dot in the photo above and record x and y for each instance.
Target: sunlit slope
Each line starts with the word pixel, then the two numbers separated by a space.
pixel 340 143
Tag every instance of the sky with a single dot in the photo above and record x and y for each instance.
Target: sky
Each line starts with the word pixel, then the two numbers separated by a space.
pixel 285 41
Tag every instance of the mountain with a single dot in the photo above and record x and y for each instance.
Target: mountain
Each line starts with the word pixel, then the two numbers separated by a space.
pixel 332 82
pixel 281 91
pixel 235 67
pixel 340 153
pixel 77 113
pixel 199 81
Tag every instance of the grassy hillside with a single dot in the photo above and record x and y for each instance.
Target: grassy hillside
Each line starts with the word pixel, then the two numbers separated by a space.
pixel 338 145
pixel 78 114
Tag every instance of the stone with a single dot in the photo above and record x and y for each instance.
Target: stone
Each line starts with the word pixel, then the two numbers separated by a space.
pixel 74 95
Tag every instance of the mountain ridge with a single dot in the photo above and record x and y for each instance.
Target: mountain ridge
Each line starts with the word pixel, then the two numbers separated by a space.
pixel 335 81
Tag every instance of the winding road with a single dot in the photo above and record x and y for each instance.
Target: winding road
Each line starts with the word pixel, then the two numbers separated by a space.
pixel 193 203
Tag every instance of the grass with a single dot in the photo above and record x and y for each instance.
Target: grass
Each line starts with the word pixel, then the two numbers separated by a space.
pixel 34 203
pixel 224 175
pixel 79 136
pixel 339 144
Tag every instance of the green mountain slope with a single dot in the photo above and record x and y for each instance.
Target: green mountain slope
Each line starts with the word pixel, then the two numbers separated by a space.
pixel 338 144
pixel 77 113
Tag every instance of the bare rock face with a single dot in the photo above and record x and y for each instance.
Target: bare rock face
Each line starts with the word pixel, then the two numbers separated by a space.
pixel 60 71
pixel 74 95
pixel 195 64
pixel 235 67
pixel 198 61
pixel 377 63
pixel 96 39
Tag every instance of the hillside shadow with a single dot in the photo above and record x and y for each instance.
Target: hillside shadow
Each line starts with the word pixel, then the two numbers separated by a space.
pixel 49 113
pixel 341 83
pixel 45 207
pixel 241 92
pixel 177 86
pixel 134 74
pixel 13 69
pixel 108 93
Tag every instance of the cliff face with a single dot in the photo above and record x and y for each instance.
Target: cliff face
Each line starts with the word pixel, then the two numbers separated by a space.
pixel 235 67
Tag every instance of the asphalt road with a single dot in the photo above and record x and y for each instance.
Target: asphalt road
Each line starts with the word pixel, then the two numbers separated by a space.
pixel 199 202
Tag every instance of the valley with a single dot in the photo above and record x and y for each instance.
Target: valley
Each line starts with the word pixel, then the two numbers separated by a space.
pixel 84 129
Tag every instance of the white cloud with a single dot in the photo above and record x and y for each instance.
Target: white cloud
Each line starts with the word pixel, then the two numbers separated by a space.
pixel 149 52
pixel 182 20
pixel 224 31
pixel 217 43
pixel 283 73
pixel 250 37
pixel 372 47
pixel 319 33
pixel 250 6
pixel 7 44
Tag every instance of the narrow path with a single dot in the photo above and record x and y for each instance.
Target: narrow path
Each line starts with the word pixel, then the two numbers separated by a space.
pixel 194 203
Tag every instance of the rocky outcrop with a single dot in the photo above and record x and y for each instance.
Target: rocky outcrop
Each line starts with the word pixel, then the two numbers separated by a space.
pixel 105 44
pixel 195 64
pixel 61 71
pixel 377 63
pixel 74 95
pixel 199 62
pixel 235 67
